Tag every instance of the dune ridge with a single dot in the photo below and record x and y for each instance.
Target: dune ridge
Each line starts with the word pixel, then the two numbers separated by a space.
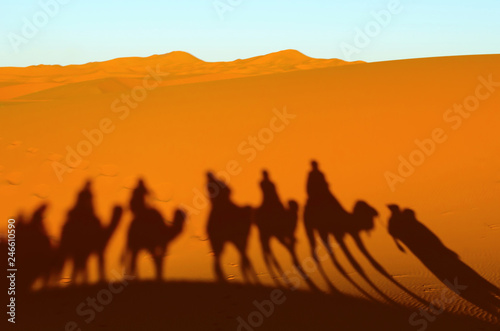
pixel 176 68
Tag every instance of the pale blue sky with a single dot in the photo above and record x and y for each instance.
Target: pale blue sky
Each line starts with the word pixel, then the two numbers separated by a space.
pixel 91 30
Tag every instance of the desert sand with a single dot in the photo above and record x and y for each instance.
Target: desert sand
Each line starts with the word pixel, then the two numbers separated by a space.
pixel 171 118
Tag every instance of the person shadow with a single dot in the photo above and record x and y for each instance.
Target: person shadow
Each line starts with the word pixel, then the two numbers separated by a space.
pixel 149 231
pixel 83 235
pixel 34 250
pixel 325 216
pixel 362 221
pixel 228 223
pixel 441 261
pixel 274 220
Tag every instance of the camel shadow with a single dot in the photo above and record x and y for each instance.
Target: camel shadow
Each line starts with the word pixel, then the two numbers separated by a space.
pixel 83 235
pixel 34 250
pixel 274 220
pixel 228 223
pixel 325 216
pixel 149 231
pixel 444 263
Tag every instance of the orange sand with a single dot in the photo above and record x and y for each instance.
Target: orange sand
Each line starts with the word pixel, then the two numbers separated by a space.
pixel 356 120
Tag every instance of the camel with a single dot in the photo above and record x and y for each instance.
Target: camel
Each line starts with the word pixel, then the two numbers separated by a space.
pixel 148 231
pixel 228 223
pixel 83 235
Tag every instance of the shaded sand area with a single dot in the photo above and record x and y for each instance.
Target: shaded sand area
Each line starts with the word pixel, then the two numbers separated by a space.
pixel 206 306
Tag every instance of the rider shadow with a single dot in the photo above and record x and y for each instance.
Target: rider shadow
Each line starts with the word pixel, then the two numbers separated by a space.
pixel 444 263
pixel 361 220
pixel 228 223
pixel 275 221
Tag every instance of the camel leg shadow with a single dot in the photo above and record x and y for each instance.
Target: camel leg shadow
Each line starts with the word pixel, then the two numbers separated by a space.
pixel 270 260
pixel 312 243
pixel 324 239
pixel 290 246
pixel 247 269
pixel 360 270
pixel 217 249
pixel 381 270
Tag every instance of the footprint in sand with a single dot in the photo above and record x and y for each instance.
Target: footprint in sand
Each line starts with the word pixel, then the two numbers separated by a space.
pixel 14 178
pixel 108 170
pixel 42 191
pixel 14 145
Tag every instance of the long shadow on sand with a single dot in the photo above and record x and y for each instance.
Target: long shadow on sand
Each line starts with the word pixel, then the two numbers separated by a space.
pixel 444 263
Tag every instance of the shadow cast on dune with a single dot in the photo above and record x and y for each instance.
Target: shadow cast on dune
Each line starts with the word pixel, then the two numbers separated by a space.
pixel 444 263
pixel 325 216
pixel 84 235
pixel 149 231
pixel 228 223
pixel 275 221
pixel 34 249
pixel 222 305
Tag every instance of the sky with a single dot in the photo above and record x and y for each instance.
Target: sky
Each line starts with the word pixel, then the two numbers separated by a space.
pixel 75 31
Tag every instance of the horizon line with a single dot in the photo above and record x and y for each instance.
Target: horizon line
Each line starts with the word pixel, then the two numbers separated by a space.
pixel 247 58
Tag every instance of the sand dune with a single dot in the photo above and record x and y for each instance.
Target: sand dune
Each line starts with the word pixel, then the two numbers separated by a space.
pixel 176 66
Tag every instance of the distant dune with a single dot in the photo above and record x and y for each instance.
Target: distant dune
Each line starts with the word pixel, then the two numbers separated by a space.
pixel 176 67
